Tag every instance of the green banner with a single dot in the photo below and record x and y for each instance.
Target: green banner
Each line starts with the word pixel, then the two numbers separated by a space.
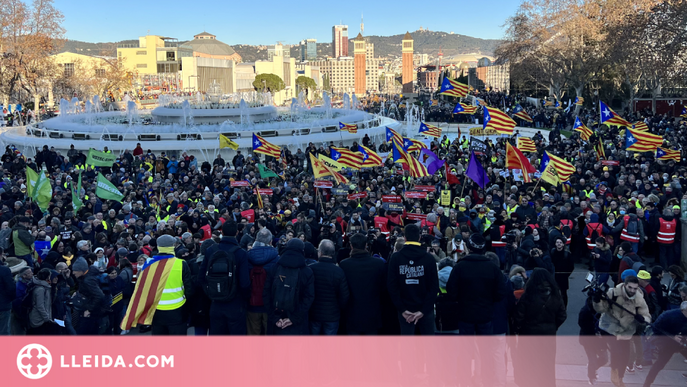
pixel 76 201
pixel 43 192
pixel 100 159
pixel 106 190
pixel 31 181
pixel 266 172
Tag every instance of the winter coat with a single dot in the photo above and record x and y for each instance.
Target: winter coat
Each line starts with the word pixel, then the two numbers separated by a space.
pixel 7 288
pixel 603 263
pixel 267 257
pixel 617 321
pixel 89 288
pixel 564 266
pixel 331 291
pixel 412 280
pixel 541 313
pixel 477 286
pixel 41 311
pixel 23 241
pixel 366 278
pixel 292 259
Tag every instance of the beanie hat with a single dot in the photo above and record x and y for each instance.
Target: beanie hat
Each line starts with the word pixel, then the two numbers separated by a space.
pixel 476 243
pixel 627 273
pixel 80 265
pixel 295 244
pixel 165 244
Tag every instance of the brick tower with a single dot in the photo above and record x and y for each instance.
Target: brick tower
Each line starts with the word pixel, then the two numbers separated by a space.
pixel 359 72
pixel 407 74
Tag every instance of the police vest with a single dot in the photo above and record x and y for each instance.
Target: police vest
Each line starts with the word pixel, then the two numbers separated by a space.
pixel 382 223
pixel 624 235
pixel 666 231
pixel 173 294
pixel 591 227
pixel 500 242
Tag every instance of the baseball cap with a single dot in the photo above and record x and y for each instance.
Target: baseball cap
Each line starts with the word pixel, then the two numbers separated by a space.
pixel 644 275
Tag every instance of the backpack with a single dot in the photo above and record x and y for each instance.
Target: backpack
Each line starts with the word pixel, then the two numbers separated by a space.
pixel 632 227
pixel 596 233
pixel 221 276
pixel 285 288
pixel 258 276
pixel 566 231
pixel 26 306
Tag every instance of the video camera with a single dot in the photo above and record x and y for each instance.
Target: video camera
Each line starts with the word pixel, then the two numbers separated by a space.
pixel 594 287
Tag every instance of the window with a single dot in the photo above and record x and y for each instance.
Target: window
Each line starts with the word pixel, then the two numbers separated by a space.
pixel 141 52
pixel 142 66
pixel 170 55
pixel 68 69
pixel 100 72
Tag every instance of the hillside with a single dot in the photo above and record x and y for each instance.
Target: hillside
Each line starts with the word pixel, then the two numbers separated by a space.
pixel 426 42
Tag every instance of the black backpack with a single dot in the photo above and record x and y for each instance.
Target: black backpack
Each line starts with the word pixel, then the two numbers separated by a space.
pixel 221 276
pixel 26 306
pixel 632 227
pixel 596 232
pixel 285 288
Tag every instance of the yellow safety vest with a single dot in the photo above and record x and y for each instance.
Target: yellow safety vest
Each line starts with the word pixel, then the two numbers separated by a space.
pixel 511 210
pixel 587 193
pixel 173 295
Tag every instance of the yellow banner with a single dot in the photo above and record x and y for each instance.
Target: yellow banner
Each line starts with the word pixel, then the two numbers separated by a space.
pixel 226 142
pixel 335 165
pixel 478 131
pixel 550 175
pixel 445 197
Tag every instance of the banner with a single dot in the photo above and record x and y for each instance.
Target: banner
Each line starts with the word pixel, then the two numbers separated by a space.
pixel 478 131
pixel 240 183
pixel 266 191
pixel 478 146
pixel 393 207
pixel 323 184
pixel 100 159
pixel 391 199
pixel 335 165
pixel 425 188
pixel 416 216
pixel 249 215
pixel 416 195
pixel 339 191
pixel 357 196
pixel 610 162
pixel 445 197
pixel 106 190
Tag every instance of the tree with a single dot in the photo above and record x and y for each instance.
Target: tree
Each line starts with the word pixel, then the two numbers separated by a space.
pixel 29 34
pixel 271 82
pixel 96 77
pixel 305 83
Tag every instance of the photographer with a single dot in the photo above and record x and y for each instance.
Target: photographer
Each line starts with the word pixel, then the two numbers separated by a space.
pixel 670 330
pixel 618 321
pixel 602 257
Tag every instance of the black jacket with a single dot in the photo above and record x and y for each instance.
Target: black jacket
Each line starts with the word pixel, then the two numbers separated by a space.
pixel 8 289
pixel 412 280
pixel 291 258
pixel 331 291
pixel 366 278
pixel 540 314
pixel 477 285
pixel 89 288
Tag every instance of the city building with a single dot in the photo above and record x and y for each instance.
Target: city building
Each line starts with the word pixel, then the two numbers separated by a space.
pixel 428 78
pixel 281 64
pixel 278 50
pixel 308 50
pixel 244 74
pixel 360 71
pixel 495 76
pixel 340 72
pixel 206 45
pixel 198 73
pixel 407 54
pixel 340 41
pixel 157 60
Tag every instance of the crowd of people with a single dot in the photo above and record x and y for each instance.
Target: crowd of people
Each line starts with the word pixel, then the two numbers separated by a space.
pixel 492 260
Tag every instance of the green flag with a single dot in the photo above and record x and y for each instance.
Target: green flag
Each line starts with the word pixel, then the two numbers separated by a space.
pixel 31 180
pixel 100 159
pixel 266 172
pixel 76 201
pixel 43 192
pixel 106 190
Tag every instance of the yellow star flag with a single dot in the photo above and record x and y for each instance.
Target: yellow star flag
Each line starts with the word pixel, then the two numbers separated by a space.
pixel 225 142
pixel 331 163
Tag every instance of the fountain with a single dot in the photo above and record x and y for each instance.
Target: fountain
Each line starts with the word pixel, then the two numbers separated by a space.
pixel 327 104
pixel 131 112
pixel 346 102
pixel 354 102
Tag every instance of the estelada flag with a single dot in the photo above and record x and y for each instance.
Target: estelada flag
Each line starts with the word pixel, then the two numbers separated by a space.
pixel 609 117
pixel 453 88
pixel 260 145
pixel 498 120
pixel 148 291
pixel 663 154
pixel 430 130
pixel 350 128
pixel 392 134
pixel 464 109
pixel 260 203
pixel 516 160
pixel 641 126
pixel 370 158
pixel 585 132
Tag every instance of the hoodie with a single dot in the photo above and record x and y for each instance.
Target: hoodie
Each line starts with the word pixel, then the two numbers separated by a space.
pixel 267 257
pixel 42 303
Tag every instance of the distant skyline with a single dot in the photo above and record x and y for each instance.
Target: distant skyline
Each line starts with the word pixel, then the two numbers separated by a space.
pixel 270 21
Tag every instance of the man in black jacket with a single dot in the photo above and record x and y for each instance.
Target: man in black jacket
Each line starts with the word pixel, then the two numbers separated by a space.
pixel 331 292
pixel 365 276
pixel 413 284
pixel 477 286
pixel 89 289
pixel 7 294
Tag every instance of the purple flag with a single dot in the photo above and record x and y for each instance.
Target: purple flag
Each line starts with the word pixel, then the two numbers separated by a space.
pixel 430 160
pixel 476 172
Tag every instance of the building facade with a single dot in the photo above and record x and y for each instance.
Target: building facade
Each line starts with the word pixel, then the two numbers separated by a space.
pixel 154 55
pixel 407 72
pixel 308 50
pixel 359 59
pixel 340 72
pixel 206 45
pixel 199 73
pixel 339 41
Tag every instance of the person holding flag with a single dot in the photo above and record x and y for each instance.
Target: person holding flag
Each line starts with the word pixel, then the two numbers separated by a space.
pixel 163 285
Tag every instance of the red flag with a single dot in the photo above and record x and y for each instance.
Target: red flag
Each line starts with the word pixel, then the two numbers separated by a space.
pixel 451 178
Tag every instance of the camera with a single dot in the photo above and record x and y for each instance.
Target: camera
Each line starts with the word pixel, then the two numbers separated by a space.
pixel 594 287
pixel 510 238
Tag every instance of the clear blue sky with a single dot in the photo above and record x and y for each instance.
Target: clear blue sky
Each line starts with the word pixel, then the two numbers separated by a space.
pixel 268 21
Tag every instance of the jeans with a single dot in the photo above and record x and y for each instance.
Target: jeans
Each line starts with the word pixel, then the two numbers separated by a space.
pixel 667 348
pixel 327 328
pixel 469 329
pixel 29 260
pixel 425 325
pixel 635 247
pixel 227 320
pixel 5 322
pixel 648 350
pixel 88 325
